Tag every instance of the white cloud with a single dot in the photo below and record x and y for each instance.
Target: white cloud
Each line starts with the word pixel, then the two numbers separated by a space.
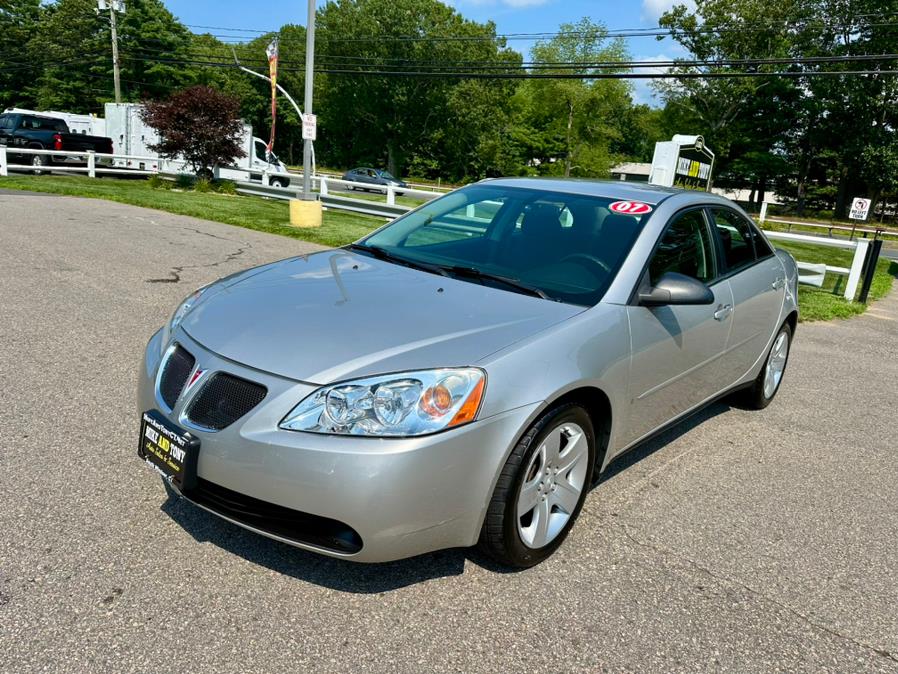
pixel 642 88
pixel 653 9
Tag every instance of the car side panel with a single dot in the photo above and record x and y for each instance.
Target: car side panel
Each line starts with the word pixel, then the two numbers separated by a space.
pixel 758 295
pixel 676 360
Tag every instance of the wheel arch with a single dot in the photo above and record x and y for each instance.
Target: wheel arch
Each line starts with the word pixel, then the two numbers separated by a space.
pixel 792 320
pixel 598 405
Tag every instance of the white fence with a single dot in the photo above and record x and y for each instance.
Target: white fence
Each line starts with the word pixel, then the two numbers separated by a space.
pixel 94 162
pixel 859 246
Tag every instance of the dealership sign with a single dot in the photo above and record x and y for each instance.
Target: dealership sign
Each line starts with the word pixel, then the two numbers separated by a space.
pixel 682 161
pixel 860 208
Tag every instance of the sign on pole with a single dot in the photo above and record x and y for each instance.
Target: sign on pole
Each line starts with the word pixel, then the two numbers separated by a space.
pixel 860 208
pixel 309 127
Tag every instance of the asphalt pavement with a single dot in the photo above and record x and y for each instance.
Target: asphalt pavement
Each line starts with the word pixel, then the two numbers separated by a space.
pixel 740 541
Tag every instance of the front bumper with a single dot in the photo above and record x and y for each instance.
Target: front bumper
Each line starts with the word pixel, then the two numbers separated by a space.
pixel 403 496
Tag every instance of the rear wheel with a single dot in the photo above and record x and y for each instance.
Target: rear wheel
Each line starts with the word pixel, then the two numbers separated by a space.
pixel 541 489
pixel 39 164
pixel 279 182
pixel 765 387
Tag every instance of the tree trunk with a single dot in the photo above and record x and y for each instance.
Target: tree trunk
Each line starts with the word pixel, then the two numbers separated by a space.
pixel 394 159
pixel 840 209
pixel 802 189
pixel 570 125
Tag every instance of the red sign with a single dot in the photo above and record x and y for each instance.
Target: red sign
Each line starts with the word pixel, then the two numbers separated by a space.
pixel 630 207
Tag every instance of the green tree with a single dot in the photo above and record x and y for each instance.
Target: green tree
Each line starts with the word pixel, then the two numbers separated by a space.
pixel 73 44
pixel 375 118
pixel 577 119
pixel 18 23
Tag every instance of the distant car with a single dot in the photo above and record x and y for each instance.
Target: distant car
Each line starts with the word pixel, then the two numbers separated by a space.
pixel 465 373
pixel 373 177
pixel 36 132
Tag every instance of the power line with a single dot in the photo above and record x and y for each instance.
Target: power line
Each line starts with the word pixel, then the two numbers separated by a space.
pixel 604 75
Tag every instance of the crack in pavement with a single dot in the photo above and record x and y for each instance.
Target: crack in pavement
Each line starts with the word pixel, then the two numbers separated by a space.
pixel 175 273
pixel 760 595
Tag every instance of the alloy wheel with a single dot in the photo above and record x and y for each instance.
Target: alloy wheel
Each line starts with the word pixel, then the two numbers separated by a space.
pixel 552 485
pixel 776 364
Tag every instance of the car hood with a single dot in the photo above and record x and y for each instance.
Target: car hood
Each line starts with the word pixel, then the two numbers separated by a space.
pixel 337 314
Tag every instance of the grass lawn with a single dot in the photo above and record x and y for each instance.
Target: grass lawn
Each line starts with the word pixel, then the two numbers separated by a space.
pixel 265 215
pixel 820 304
pixel 268 215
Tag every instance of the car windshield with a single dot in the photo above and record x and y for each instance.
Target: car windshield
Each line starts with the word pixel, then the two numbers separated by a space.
pixel 565 247
pixel 387 175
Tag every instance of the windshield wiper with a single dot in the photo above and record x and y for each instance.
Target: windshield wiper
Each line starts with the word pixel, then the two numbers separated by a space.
pixel 472 272
pixel 384 254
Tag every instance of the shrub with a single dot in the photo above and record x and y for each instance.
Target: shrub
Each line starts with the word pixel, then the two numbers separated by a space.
pixel 203 185
pixel 184 182
pixel 157 182
pixel 224 186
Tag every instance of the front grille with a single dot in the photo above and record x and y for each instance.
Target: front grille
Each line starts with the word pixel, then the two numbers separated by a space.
pixel 291 524
pixel 174 375
pixel 224 399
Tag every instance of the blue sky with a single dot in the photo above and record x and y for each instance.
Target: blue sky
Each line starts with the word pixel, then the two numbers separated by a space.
pixel 510 16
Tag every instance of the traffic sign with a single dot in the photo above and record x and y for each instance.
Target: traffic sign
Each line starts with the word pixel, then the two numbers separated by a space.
pixel 309 127
pixel 859 209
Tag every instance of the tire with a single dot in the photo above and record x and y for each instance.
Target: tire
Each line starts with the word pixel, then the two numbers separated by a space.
pixel 763 391
pixel 39 164
pixel 518 540
pixel 278 182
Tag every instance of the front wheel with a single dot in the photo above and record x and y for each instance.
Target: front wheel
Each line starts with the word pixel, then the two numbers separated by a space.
pixel 765 387
pixel 541 488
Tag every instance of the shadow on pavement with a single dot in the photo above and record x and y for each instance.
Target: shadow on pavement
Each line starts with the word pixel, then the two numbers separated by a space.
pixel 651 446
pixel 345 576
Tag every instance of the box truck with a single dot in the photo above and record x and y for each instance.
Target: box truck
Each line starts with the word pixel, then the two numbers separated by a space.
pixel 132 136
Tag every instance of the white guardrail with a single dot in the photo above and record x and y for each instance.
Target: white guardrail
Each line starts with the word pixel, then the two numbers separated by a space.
pixel 859 246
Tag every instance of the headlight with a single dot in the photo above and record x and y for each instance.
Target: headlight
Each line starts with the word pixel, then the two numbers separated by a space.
pixel 405 404
pixel 182 310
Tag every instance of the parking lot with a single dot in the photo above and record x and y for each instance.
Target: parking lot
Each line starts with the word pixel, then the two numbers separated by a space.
pixel 739 541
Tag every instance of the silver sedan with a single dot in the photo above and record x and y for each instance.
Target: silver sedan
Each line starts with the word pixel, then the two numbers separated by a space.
pixel 464 374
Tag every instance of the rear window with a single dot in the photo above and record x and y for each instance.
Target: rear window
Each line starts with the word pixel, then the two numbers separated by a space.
pixel 44 124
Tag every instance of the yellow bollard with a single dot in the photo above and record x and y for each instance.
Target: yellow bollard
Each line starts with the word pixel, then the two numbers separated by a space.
pixel 305 213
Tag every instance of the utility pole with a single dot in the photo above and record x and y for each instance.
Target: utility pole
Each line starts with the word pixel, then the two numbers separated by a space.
pixel 310 73
pixel 113 6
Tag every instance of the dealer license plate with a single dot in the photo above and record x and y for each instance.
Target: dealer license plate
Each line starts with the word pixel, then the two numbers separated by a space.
pixel 171 450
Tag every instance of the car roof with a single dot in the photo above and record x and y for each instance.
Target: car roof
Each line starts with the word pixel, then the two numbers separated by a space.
pixel 611 189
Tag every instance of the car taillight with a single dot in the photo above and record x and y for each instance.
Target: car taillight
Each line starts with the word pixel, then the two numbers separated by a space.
pixel 57 142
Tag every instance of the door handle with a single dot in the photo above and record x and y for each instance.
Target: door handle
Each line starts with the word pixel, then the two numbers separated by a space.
pixel 778 284
pixel 722 312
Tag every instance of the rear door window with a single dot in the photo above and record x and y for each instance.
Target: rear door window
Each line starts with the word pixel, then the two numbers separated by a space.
pixel 736 238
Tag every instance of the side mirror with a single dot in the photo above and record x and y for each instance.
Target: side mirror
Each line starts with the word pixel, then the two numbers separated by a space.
pixel 676 289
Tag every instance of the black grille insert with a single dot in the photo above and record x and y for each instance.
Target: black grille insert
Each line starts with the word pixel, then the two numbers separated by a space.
pixel 174 375
pixel 224 399
pixel 291 524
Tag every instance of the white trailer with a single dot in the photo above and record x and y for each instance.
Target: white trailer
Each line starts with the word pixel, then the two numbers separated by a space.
pixel 132 136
